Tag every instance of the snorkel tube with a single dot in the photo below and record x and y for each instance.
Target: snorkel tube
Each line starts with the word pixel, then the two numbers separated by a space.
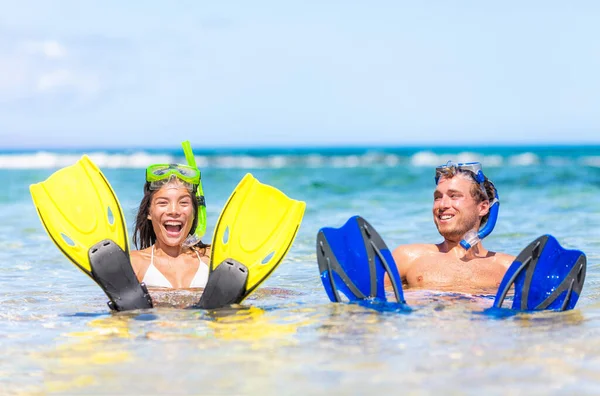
pixel 201 227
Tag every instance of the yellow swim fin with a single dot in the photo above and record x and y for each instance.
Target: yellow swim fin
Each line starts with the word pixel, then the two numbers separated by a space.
pixel 82 216
pixel 253 234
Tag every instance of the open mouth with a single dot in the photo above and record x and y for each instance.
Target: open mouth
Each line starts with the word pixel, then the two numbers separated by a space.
pixel 173 227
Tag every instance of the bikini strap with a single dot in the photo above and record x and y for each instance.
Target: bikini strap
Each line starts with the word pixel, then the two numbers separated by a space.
pixel 199 258
pixel 197 255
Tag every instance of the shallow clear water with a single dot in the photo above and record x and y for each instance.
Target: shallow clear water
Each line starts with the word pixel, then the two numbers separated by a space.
pixel 57 335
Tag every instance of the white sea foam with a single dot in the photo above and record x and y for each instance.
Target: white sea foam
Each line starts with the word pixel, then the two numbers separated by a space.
pixel 45 160
pixel 591 161
pixel 425 158
pixel 391 160
pixel 430 159
pixel 315 160
pixel 558 161
pixel 135 160
pixel 525 159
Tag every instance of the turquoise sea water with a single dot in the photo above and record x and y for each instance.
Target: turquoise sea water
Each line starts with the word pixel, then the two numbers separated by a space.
pixel 58 337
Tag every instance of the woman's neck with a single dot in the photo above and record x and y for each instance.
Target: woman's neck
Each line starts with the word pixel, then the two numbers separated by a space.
pixel 172 251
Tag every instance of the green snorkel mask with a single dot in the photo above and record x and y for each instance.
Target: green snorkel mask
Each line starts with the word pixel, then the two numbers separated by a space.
pixel 201 227
pixel 159 175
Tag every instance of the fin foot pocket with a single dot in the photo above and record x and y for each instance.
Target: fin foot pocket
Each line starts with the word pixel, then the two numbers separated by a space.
pixel 112 271
pixel 545 276
pixel 226 285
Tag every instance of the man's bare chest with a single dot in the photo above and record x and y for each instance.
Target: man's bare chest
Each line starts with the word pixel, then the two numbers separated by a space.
pixel 441 272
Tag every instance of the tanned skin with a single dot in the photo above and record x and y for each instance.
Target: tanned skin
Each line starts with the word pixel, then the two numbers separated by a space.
pixel 448 266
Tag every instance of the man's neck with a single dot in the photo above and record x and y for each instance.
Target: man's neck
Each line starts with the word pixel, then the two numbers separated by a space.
pixel 454 247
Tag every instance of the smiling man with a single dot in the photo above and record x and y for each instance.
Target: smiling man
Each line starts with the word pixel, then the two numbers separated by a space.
pixel 463 202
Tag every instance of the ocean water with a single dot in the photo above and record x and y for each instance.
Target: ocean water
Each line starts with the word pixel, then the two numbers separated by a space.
pixel 57 335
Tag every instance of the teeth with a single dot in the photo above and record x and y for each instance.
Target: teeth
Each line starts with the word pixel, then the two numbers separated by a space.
pixel 173 223
pixel 446 217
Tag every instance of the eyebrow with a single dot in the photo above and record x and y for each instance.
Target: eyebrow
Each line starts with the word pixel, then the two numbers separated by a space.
pixel 157 196
pixel 451 190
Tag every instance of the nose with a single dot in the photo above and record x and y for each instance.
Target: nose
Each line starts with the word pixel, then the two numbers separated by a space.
pixel 173 207
pixel 444 201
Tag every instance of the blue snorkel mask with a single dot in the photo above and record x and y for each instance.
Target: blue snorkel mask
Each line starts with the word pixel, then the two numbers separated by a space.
pixel 472 238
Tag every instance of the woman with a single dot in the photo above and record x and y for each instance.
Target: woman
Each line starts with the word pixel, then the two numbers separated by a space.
pixel 165 224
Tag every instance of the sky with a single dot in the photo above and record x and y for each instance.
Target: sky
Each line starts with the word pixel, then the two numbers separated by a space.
pixel 298 73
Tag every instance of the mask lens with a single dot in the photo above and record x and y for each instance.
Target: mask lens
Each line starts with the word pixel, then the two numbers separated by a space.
pixel 187 172
pixel 160 172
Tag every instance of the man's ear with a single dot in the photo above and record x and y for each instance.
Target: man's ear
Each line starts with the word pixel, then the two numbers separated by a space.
pixel 484 208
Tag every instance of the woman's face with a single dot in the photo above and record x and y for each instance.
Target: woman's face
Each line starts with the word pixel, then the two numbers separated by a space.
pixel 172 214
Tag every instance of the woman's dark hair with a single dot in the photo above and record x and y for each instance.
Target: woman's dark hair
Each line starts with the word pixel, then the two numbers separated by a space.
pixel 143 234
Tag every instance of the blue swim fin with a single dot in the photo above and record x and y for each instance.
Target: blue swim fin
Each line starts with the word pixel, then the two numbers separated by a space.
pixel 545 276
pixel 353 260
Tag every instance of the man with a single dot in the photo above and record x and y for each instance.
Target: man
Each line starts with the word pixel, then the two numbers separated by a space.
pixel 461 205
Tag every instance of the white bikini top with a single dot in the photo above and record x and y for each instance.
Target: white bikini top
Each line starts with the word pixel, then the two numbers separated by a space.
pixel 155 278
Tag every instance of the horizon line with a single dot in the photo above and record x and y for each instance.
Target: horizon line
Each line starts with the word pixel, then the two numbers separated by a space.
pixel 313 146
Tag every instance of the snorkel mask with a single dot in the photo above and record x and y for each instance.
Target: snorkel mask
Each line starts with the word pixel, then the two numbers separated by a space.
pixel 160 175
pixel 189 176
pixel 472 238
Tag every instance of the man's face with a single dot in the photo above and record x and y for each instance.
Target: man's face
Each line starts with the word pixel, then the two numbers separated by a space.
pixel 455 211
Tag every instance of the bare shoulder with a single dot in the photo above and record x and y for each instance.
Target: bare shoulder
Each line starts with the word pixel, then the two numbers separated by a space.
pixel 504 259
pixel 137 254
pixel 140 260
pixel 406 255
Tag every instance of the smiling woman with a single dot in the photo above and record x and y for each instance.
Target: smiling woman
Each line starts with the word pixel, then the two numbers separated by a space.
pixel 167 217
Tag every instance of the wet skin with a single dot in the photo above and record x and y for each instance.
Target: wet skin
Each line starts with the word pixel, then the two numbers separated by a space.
pixel 446 265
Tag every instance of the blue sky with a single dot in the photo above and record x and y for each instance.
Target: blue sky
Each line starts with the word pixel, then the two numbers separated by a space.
pixel 153 73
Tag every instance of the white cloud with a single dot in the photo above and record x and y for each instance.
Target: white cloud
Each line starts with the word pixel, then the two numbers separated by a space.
pixel 62 78
pixel 53 49
pixel 42 68
pixel 48 81
pixel 49 48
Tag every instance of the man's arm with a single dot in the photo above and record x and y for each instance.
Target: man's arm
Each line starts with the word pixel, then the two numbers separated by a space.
pixel 505 259
pixel 404 256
